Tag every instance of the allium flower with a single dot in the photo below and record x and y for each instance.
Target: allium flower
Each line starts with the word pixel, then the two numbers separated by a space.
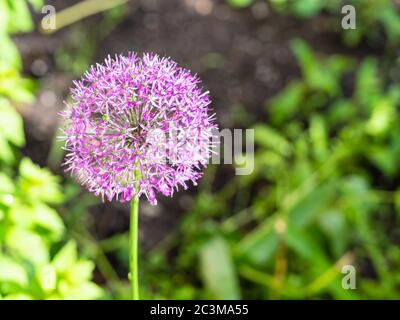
pixel 137 125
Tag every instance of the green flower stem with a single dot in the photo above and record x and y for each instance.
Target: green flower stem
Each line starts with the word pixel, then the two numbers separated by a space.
pixel 133 248
pixel 80 11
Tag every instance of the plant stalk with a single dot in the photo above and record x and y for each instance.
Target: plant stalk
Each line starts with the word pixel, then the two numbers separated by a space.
pixel 133 248
pixel 80 11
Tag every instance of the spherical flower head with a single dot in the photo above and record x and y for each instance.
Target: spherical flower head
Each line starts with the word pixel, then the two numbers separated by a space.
pixel 137 125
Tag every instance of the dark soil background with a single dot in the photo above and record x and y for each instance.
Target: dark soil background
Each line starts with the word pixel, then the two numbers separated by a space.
pixel 242 56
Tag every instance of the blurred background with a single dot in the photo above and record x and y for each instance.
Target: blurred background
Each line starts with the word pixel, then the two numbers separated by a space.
pixel 324 103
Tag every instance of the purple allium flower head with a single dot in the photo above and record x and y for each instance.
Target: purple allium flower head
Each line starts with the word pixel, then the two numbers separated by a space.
pixel 137 125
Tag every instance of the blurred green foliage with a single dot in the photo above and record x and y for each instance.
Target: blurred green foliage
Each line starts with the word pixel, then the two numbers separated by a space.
pixel 374 18
pixel 34 261
pixel 330 163
pixel 240 3
pixel 14 17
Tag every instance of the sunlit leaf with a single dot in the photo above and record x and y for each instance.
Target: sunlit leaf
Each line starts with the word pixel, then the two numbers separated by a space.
pixel 11 125
pixel 38 183
pixel 11 271
pixel 218 271
pixel 27 245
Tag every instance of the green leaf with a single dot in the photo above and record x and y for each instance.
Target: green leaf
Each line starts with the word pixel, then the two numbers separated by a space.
pixel 218 271
pixel 340 112
pixel 47 278
pixel 263 250
pixel 38 218
pixel 307 8
pixel 319 137
pixel 391 21
pixel 66 257
pixel 37 4
pixel 367 81
pixel 333 223
pixel 21 216
pixel 48 219
pixel 383 115
pixel 240 3
pixel 18 296
pixel 21 18
pixel 12 272
pixel 81 271
pixel 270 138
pixel 382 157
pixel 9 56
pixel 337 65
pixel 309 205
pixel 27 245
pixel 84 291
pixel 323 76
pixel 287 103
pixel 6 184
pixel 306 246
pixel 6 152
pixel 352 37
pixel 11 125
pixel 259 245
pixel 38 184
pixel 4 16
pixel 306 58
